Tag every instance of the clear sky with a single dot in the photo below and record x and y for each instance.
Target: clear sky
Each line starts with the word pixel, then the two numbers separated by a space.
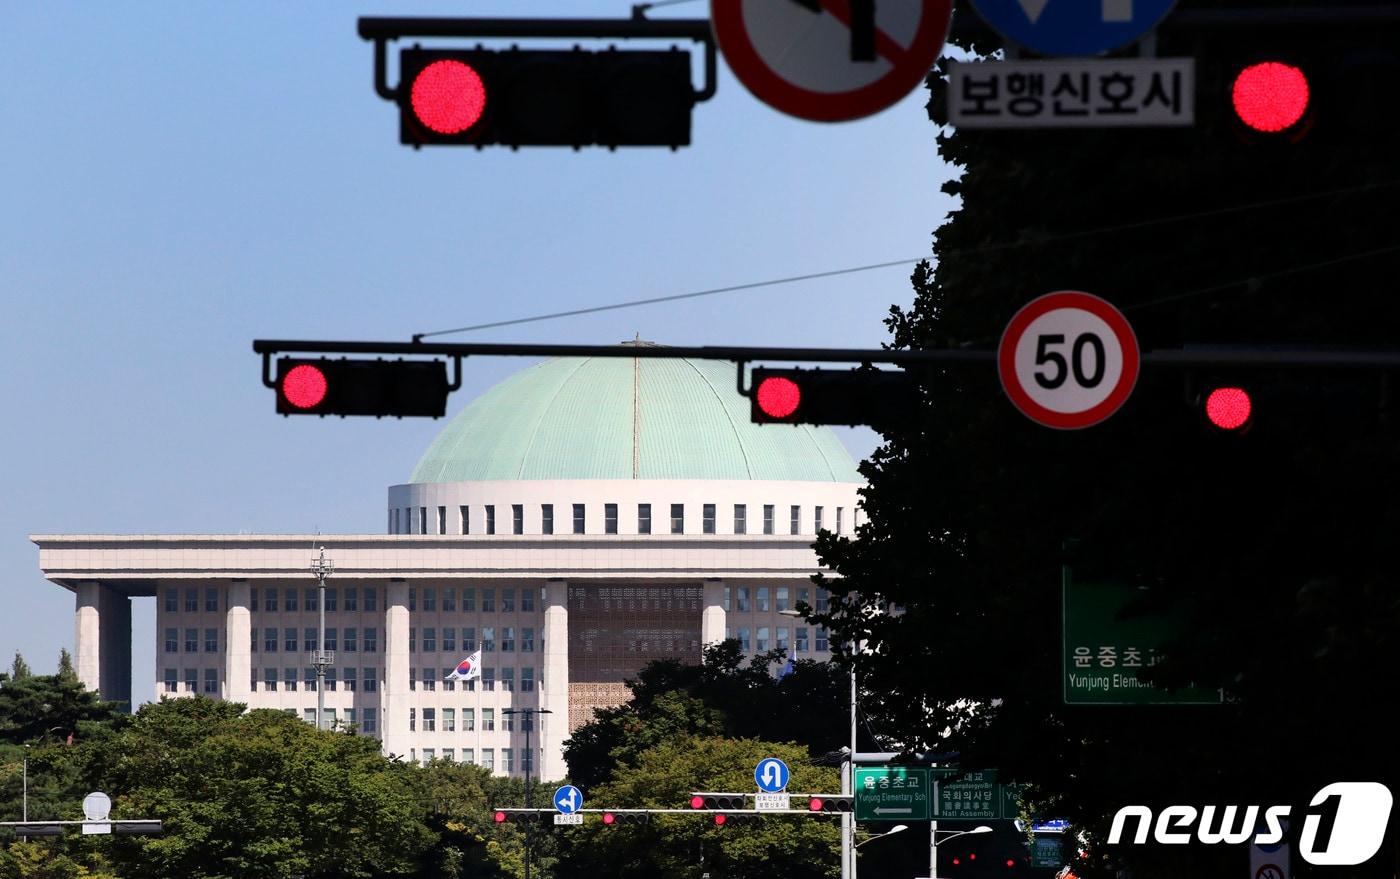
pixel 179 179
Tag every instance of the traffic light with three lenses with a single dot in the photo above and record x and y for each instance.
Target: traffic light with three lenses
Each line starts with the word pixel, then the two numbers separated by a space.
pixel 398 388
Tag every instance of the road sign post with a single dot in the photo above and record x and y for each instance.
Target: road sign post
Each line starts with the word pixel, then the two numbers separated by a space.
pixel 892 793
pixel 830 61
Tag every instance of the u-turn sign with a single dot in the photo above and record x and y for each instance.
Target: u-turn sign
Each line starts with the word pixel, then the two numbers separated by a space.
pixel 1073 27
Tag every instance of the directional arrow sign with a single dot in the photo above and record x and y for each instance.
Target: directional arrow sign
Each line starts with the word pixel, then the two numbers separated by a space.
pixel 771 775
pixel 884 792
pixel 568 799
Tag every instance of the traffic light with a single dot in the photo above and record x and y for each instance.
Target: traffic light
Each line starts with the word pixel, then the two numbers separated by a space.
pixel 545 97
pixel 717 801
pixel 1228 407
pixel 832 396
pixel 342 387
pixel 735 819
pixel 831 803
pixel 527 817
pixel 614 818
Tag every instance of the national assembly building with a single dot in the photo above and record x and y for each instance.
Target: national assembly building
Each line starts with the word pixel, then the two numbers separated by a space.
pixel 579 519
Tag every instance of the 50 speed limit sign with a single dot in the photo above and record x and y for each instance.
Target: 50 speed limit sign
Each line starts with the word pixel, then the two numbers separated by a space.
pixel 1068 360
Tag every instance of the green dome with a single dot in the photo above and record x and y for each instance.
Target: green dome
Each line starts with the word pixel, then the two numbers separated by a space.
pixel 626 418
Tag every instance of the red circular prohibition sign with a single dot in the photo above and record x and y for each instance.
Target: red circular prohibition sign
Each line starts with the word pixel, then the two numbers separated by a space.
pixel 1068 299
pixel 908 70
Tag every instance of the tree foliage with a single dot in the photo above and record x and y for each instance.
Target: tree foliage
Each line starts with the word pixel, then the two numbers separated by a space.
pixel 1274 545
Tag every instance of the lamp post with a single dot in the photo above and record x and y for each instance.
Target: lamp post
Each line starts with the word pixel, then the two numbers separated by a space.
pixel 527 758
pixel 891 832
pixel 934 842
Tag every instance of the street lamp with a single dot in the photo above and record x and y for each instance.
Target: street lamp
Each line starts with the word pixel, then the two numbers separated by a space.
pixel 848 819
pixel 898 828
pixel 527 758
pixel 934 842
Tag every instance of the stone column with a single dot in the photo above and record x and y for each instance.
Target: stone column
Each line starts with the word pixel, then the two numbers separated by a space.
pixel 87 643
pixel 554 680
pixel 395 697
pixel 102 643
pixel 712 616
pixel 238 660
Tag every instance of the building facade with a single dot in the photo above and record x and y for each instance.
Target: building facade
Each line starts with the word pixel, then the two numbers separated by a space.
pixel 578 520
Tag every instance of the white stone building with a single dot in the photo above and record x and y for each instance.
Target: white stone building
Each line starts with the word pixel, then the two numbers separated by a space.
pixel 582 517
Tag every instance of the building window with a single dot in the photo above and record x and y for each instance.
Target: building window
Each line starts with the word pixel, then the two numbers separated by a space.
pixel 488 719
pixel 507 601
pixel 527 640
pixel 643 518
pixel 191 601
pixel 506 754
pixel 508 679
pixel 527 600
pixel 422 520
pixel 309 680
pixel 468 720
pixel 578 518
pixel 796 520
pixel 822 644
pixel 430 640
pixel 191 680
pixel 609 518
pixel 442 520
pixel 371 639
pixel 821 601
pixel 464 514
pixel 349 676
pixel 349 718
pixel 449 599
pixel 488 639
pixel 253 646
pixel 351 642
pixel 546 518
pixel 192 640
pixel 412 640
pixel 488 759
pixel 172 600
pixel 490 518
pixel 430 599
pixel 527 680
pixel 448 753
pixel 707 518
pixel 762 599
pixel 741 519
pixel 309 641
pixel 269 640
pixel 290 602
pixel 447 685
pixel 802 593
pixel 330 679
pixel 429 720
pixel 488 679
pixel 309 602
pixel 371 600
pixel 211 599
pixel 468 639
pixel 289 639
pixel 369 720
pixel 507 639
pixel 839 512
pixel 741 599
pixel 468 600
pixel 413 720
pixel 517 518
pixel 762 641
pixel 211 640
pixel 767 518
pixel 817 521
pixel 744 643
pixel 172 640
pixel 488 601
pixel 172 681
pixel 780 601
pixel 270 599
pixel 677 518
pixel 782 642
pixel 331 597
pixel 449 639
pixel 449 720
pixel 371 679
pixel 331 640
pixel 270 679
pixel 800 641
pixel 289 679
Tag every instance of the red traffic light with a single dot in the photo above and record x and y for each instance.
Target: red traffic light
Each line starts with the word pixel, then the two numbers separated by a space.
pixel 720 820
pixel 1270 96
pixel 609 818
pixel 1228 408
pixel 448 96
pixel 304 386
pixel 500 817
pixel 778 397
pixel 697 802
pixel 814 804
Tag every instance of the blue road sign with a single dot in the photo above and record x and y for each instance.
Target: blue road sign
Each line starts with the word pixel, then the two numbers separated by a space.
pixel 771 775
pixel 568 799
pixel 1073 27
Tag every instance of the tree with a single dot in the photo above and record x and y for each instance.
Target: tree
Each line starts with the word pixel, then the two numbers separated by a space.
pixel 19 669
pixel 65 665
pixel 1271 545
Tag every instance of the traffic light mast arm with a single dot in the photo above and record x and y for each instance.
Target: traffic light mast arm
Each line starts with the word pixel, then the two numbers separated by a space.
pixel 381 30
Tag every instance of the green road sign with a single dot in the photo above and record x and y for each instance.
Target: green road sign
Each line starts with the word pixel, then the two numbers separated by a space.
pixel 976 796
pixel 1106 649
pixel 892 793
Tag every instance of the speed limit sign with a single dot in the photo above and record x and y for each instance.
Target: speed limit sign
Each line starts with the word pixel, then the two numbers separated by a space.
pixel 1068 360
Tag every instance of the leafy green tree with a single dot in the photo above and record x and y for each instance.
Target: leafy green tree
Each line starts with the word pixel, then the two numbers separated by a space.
pixel 19 668
pixel 65 665
pixel 1273 545
pixel 662 777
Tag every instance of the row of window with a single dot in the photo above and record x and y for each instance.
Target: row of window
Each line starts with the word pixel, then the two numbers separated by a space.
pixel 349 640
pixel 489 681
pixel 488 642
pixel 737 599
pixel 445 720
pixel 346 677
pixel 430 602
pixel 762 643
pixel 416 521
pixel 365 721
pixel 274 599
pixel 488 757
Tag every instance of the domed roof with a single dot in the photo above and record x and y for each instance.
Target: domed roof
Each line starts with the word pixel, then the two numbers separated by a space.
pixel 626 418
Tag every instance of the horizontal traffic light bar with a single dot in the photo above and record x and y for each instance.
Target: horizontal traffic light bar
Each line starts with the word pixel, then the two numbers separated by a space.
pixel 396 388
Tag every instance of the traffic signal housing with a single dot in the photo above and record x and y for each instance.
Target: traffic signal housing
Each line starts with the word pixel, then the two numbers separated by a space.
pixel 612 818
pixel 735 819
pixel 831 803
pixel 398 388
pixel 717 801
pixel 545 97
pixel 527 817
pixel 832 396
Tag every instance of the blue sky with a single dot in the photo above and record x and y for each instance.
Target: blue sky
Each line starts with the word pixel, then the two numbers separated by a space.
pixel 179 179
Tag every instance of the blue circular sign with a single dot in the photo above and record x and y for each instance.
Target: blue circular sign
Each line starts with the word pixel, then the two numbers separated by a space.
pixel 771 775
pixel 1073 27
pixel 568 799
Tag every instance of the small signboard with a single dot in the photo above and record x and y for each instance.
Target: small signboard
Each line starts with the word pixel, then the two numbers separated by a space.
pixel 573 818
pixel 1106 650
pixel 892 793
pixel 976 796
pixel 1088 93
pixel 96 807
pixel 772 802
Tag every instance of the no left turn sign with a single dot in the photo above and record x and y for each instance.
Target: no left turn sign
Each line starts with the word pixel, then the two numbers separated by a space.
pixel 830 60
pixel 1068 360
